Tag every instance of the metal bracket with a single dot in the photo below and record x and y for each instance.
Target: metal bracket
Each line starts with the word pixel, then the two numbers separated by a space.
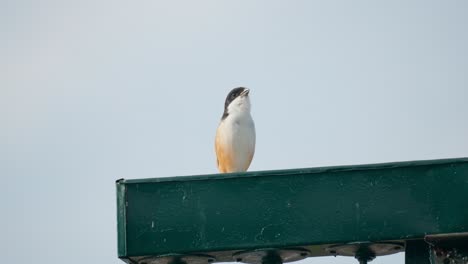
pixel 448 248
pixel 178 259
pixel 271 255
pixel 365 252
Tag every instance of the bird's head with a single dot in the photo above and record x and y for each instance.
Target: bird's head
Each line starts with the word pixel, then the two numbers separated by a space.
pixel 237 102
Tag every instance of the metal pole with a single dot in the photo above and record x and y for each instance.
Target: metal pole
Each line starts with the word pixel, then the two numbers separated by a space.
pixel 272 257
pixel 417 252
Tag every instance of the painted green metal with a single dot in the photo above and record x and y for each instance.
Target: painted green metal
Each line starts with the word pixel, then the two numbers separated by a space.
pixel 310 208
pixel 121 219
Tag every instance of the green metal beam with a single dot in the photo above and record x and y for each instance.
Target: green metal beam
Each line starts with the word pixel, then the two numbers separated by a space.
pixel 310 208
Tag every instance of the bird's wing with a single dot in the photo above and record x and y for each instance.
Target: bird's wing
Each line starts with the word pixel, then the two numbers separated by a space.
pixel 223 154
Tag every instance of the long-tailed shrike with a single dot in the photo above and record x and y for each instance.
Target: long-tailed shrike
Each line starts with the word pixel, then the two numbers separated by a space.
pixel 235 136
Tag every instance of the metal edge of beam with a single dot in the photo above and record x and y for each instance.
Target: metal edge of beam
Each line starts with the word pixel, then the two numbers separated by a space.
pixel 312 170
pixel 121 219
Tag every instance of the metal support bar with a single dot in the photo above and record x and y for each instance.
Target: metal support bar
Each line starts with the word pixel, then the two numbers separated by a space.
pixel 448 248
pixel 417 252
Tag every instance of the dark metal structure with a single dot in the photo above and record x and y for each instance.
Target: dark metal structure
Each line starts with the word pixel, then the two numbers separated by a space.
pixel 364 211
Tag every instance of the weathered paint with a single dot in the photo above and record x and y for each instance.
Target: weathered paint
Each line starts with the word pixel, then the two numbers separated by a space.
pixel 285 208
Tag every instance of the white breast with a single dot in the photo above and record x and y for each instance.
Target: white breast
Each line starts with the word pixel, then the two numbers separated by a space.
pixel 239 138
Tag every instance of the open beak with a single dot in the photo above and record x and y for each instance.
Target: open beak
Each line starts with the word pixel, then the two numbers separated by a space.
pixel 245 92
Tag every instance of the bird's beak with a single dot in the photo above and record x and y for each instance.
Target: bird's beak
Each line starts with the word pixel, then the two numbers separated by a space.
pixel 245 92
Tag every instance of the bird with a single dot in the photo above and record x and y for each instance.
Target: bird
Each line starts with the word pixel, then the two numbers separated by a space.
pixel 235 135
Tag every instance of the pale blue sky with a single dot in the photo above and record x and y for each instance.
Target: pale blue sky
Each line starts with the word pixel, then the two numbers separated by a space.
pixel 93 91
